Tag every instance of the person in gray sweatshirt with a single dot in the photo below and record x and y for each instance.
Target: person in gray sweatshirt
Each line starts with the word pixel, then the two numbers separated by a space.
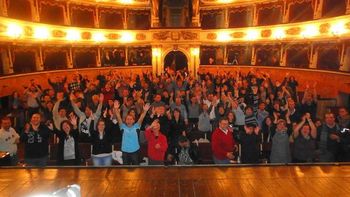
pixel 204 121
pixel 194 108
pixel 280 151
pixel 59 114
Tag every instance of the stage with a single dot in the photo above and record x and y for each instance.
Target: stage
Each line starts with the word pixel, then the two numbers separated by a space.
pixel 323 180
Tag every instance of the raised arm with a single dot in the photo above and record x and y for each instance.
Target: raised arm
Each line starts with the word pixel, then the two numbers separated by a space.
pixel 116 111
pixel 143 114
pixel 313 128
pixel 75 107
pixel 99 107
pixel 296 130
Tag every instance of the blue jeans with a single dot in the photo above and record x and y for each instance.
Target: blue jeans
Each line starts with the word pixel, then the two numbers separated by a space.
pixel 220 162
pixel 104 159
pixel 37 162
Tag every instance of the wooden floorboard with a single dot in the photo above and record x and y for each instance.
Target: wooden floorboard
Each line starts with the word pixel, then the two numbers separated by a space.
pixel 298 181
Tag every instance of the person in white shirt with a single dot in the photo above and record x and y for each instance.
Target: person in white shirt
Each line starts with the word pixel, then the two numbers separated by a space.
pixel 9 139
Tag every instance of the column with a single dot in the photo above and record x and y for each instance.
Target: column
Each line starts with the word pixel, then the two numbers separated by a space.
pixel 318 9
pixel 226 17
pixel 225 55
pixel 125 21
pixel 285 12
pixel 344 58
pixel 3 8
pixel 348 7
pixel 7 61
pixel 70 58
pixel 283 57
pixel 313 57
pixel 255 16
pixel 98 57
pixel 126 56
pixel 67 20
pixel 194 61
pixel 195 14
pixel 156 63
pixel 35 10
pixel 253 61
pixel 96 18
pixel 39 60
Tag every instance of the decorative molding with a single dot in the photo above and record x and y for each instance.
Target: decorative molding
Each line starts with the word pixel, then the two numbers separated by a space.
pixel 161 35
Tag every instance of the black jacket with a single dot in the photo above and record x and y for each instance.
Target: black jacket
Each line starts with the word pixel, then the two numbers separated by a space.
pixel 62 136
pixel 36 142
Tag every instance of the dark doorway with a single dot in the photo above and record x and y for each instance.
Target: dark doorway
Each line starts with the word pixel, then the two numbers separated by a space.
pixel 175 60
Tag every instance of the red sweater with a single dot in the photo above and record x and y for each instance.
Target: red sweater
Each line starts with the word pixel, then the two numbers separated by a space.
pixel 222 143
pixel 153 153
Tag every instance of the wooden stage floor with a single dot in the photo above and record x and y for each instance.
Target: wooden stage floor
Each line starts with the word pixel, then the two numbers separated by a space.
pixel 329 180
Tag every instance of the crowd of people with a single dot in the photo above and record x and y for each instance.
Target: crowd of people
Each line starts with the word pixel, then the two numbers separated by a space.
pixel 246 118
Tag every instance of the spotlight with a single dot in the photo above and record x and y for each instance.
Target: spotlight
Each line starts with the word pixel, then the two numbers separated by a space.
pixel 223 37
pixel 310 31
pixel 73 35
pixel 14 31
pixel 338 28
pixel 127 37
pixel 41 33
pixel 98 37
pixel 252 35
pixel 279 34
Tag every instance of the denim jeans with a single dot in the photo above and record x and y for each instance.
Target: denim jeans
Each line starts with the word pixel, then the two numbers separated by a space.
pixel 104 159
pixel 37 162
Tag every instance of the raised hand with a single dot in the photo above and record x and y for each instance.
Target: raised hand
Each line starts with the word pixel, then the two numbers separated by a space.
pixel 153 123
pixel 256 130
pixel 105 113
pixel 26 128
pixel 116 104
pixel 153 110
pixel 146 107
pixel 101 99
pixel 308 116
pixel 74 120
pixel 59 96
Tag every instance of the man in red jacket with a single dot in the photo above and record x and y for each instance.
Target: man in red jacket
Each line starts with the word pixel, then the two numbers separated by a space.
pixel 222 143
pixel 157 144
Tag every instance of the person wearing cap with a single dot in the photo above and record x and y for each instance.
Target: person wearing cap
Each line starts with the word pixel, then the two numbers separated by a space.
pixel 185 153
pixel 223 144
pixel 250 144
pixel 280 151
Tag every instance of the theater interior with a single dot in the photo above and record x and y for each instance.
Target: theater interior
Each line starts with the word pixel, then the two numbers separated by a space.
pixel 232 56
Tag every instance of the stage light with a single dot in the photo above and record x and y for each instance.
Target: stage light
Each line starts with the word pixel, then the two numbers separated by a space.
pixel 195 51
pixel 156 52
pixel 225 1
pixel 223 36
pixel 69 191
pixel 338 28
pixel 14 31
pixel 41 33
pixel 252 35
pixel 126 1
pixel 73 35
pixel 127 37
pixel 98 37
pixel 309 31
pixel 278 34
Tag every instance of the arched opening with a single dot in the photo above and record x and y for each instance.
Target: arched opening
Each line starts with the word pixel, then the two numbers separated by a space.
pixel 176 60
